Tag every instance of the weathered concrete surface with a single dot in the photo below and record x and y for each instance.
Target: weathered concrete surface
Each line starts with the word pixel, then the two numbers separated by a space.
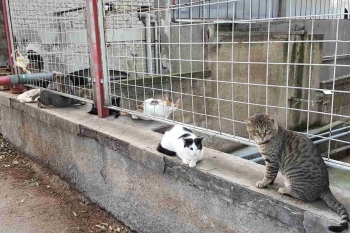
pixel 39 213
pixel 117 166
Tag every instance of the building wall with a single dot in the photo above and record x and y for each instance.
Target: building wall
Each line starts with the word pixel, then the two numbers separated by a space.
pixel 36 27
pixel 63 40
pixel 128 52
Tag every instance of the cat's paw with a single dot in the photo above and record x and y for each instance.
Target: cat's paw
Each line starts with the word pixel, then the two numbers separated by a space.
pixel 134 117
pixel 288 191
pixel 261 184
pixel 185 161
pixel 283 190
pixel 192 163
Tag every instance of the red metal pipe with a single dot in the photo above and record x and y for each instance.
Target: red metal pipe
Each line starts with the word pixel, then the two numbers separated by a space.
pixel 24 78
pixel 96 55
pixel 14 88
pixel 5 80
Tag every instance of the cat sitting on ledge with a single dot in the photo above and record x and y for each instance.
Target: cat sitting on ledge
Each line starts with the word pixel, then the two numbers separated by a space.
pixel 298 159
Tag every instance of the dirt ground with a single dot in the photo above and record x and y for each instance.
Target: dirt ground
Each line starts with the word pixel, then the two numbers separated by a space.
pixel 33 200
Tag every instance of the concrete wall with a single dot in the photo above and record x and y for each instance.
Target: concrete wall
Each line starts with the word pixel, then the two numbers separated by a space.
pixel 341 104
pixel 329 29
pixel 274 74
pixel 116 165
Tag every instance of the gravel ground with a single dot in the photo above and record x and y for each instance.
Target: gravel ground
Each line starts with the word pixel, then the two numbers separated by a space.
pixel 33 200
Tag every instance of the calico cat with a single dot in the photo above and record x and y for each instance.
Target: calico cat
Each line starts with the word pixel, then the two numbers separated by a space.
pixel 182 142
pixel 299 161
pixel 47 98
pixel 157 107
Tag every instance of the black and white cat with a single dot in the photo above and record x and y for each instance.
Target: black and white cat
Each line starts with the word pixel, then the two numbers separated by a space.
pixel 115 102
pixel 182 142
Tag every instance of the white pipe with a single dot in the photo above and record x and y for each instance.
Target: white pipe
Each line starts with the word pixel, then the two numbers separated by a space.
pixel 332 137
pixel 147 18
pixel 333 131
pixel 156 55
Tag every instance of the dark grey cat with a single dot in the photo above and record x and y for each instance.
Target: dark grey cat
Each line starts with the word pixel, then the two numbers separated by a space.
pixel 47 98
pixel 298 159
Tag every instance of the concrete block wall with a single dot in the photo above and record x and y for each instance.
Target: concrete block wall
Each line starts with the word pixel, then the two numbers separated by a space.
pixel 341 104
pixel 115 163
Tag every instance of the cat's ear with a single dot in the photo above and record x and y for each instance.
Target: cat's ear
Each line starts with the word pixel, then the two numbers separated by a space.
pixel 167 98
pixel 201 138
pixel 248 121
pixel 187 140
pixel 270 116
pixel 177 102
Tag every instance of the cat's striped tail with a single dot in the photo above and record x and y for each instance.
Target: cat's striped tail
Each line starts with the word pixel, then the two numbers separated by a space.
pixel 328 197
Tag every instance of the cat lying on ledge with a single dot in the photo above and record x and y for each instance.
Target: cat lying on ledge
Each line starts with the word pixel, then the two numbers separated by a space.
pixel 182 142
pixel 156 107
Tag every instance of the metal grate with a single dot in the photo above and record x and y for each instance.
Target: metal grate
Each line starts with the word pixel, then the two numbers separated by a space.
pixel 293 63
pixel 53 36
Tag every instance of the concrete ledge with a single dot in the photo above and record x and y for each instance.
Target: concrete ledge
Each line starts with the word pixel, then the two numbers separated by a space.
pixel 115 162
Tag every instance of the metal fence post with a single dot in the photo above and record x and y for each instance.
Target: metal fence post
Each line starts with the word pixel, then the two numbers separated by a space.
pixel 17 88
pixel 96 55
pixel 8 32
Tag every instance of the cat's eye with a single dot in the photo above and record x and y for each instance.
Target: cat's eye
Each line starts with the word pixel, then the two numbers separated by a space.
pixel 256 131
pixel 191 148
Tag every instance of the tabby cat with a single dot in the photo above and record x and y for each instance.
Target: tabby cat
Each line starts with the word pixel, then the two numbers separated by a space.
pixel 299 161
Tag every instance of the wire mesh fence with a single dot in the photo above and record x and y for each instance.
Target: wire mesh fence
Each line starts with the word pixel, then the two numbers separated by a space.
pixel 227 60
pixel 52 36
pixel 209 64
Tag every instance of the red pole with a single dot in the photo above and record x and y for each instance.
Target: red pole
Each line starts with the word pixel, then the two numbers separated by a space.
pixel 8 36
pixel 16 88
pixel 96 55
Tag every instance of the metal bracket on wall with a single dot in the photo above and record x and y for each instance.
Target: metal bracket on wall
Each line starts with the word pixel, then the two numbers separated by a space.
pixel 298 100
